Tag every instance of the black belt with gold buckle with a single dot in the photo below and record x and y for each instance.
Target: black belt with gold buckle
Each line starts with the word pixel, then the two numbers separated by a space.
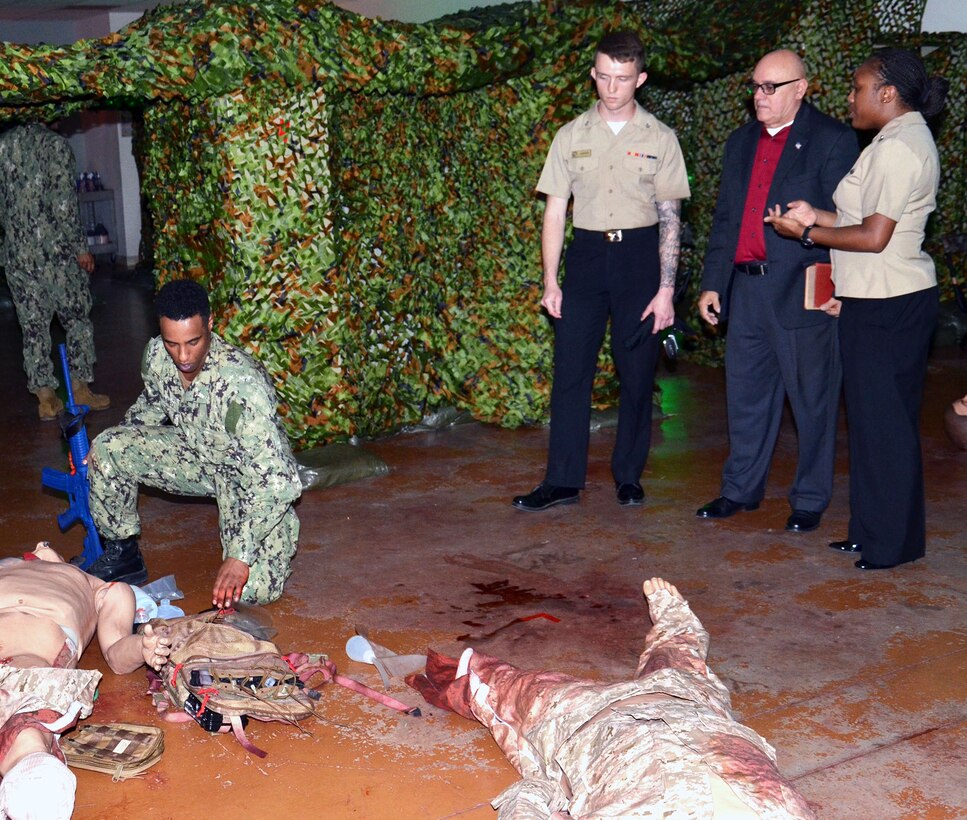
pixel 753 268
pixel 613 235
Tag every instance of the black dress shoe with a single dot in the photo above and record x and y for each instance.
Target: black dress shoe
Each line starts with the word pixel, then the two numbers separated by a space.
pixel 863 564
pixel 845 546
pixel 630 495
pixel 544 496
pixel 803 521
pixel 723 507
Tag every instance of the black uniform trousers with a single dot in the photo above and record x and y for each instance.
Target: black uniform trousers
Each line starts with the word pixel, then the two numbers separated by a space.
pixel 765 363
pixel 602 279
pixel 885 344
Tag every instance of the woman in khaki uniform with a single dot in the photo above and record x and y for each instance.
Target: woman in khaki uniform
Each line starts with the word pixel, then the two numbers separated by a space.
pixel 886 298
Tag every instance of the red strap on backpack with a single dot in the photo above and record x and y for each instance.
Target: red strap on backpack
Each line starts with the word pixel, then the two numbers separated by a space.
pixel 243 741
pixel 308 666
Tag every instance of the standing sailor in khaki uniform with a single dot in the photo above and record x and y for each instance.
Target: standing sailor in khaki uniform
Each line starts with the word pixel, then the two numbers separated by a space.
pixel 886 299
pixel 627 175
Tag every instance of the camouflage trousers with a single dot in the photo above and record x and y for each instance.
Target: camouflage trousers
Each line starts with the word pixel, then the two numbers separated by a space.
pixel 664 744
pixel 261 531
pixel 43 687
pixel 42 698
pixel 62 289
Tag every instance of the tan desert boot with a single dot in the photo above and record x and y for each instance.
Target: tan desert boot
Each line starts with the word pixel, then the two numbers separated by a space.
pixel 83 395
pixel 50 405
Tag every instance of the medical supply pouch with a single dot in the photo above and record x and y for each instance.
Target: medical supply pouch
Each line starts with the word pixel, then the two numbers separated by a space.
pixel 121 750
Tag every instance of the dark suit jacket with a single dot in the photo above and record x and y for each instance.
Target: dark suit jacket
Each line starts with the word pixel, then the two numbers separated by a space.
pixel 819 152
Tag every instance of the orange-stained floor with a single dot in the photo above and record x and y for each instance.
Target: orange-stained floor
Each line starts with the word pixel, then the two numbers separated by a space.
pixel 858 679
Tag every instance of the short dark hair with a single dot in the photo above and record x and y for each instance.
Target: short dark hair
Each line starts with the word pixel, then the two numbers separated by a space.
pixel 182 299
pixel 906 72
pixel 623 47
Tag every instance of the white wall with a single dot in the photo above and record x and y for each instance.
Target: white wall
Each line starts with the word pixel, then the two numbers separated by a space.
pixel 128 184
pixel 59 30
pixel 412 11
pixel 940 15
pixel 945 15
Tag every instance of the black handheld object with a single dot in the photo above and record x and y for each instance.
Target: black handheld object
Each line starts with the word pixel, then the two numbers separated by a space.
pixel 208 720
pixel 643 331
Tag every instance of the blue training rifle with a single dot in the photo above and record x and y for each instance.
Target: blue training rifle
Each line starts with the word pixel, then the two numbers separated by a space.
pixel 74 483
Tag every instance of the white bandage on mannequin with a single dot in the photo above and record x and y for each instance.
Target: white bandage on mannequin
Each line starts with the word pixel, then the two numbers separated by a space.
pixel 464 663
pixel 39 787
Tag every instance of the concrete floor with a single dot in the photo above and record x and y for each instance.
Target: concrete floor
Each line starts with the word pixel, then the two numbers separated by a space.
pixel 858 679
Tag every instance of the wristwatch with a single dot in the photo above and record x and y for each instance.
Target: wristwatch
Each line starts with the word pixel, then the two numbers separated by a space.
pixel 804 240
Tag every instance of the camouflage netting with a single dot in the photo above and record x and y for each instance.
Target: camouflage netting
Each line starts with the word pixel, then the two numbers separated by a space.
pixel 358 194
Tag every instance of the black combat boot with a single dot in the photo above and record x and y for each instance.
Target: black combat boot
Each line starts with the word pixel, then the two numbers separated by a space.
pixel 120 561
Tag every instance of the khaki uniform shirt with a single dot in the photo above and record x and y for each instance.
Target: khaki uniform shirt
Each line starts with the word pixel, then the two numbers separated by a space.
pixel 616 179
pixel 896 176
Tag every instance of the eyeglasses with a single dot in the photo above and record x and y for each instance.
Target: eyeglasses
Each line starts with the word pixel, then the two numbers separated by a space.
pixel 768 88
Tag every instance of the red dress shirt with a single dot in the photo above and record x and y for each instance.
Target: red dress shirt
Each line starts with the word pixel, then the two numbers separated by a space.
pixel 752 242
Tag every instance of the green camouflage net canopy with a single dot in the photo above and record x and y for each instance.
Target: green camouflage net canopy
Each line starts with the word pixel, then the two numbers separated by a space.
pixel 358 195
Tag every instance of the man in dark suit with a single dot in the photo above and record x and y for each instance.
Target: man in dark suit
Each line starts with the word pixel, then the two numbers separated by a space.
pixel 775 347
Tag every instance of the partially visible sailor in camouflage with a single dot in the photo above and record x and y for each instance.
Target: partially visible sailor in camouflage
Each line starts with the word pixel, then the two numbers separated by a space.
pixel 206 424
pixel 46 259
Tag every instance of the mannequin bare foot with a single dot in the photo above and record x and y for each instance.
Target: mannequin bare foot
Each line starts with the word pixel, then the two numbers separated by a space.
pixel 652 585
pixel 155 646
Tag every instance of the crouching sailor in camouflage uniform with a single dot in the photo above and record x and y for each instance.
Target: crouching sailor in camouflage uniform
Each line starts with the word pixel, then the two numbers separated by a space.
pixel 206 424
pixel 46 260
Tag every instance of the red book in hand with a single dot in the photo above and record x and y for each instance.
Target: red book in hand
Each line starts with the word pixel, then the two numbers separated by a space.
pixel 819 285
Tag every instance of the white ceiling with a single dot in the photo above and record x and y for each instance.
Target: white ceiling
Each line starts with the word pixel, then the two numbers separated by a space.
pixel 940 15
pixel 413 11
pixel 34 9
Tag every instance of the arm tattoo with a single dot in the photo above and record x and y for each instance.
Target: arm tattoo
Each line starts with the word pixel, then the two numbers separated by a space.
pixel 669 239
